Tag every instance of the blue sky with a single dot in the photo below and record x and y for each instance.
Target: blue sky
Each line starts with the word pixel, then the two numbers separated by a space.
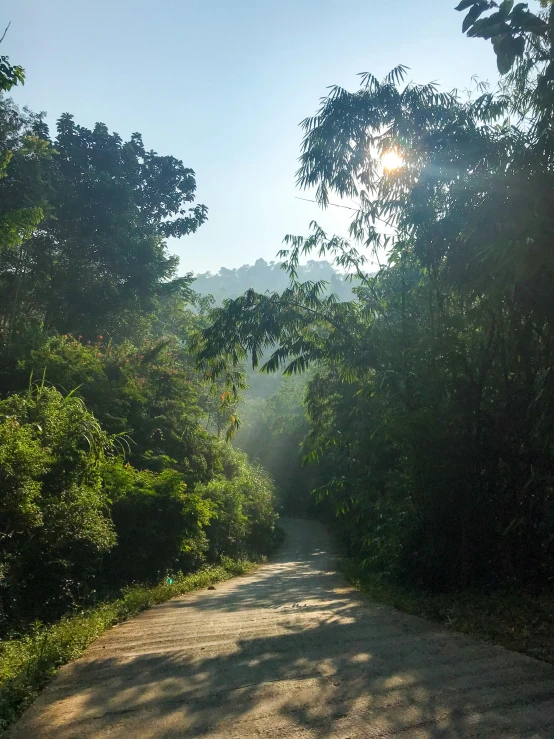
pixel 223 85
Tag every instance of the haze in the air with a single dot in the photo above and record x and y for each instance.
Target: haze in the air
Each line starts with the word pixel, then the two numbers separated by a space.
pixel 224 85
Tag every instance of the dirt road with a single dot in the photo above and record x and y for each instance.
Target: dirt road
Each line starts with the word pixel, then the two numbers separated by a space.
pixel 291 651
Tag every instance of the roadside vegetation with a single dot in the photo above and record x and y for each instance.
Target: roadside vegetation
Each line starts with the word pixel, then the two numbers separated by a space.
pixel 512 618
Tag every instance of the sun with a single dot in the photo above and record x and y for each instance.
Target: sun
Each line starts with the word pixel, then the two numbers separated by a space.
pixel 391 160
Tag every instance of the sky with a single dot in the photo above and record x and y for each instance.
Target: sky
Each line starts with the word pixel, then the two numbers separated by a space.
pixel 223 86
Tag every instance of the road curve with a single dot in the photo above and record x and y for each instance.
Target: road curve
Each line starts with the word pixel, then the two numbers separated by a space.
pixel 291 651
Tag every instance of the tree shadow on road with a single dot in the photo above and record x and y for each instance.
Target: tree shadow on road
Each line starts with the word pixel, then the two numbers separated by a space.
pixel 292 650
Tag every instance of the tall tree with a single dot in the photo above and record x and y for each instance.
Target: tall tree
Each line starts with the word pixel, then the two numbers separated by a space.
pixel 100 254
pixel 431 410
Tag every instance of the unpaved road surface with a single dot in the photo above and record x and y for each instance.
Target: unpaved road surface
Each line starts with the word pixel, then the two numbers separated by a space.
pixel 291 651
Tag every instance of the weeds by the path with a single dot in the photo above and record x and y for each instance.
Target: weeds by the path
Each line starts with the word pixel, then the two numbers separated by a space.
pixel 519 621
pixel 28 662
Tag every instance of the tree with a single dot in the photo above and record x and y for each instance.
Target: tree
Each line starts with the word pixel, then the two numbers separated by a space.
pixel 55 524
pixel 10 75
pixel 431 407
pixel 22 156
pixel 100 255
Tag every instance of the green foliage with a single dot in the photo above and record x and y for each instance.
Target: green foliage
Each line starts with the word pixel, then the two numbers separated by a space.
pixel 162 492
pixel 151 396
pixel 432 402
pixel 509 27
pixel 77 520
pixel 242 504
pixel 55 525
pixel 105 466
pixel 159 524
pixel 10 75
pixel 23 159
pixel 523 44
pixel 105 207
pixel 27 663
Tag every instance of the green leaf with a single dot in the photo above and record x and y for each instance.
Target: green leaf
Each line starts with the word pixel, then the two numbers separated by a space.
pixel 518 45
pixel 489 27
pixel 465 4
pixel 504 62
pixel 506 52
pixel 534 24
pixel 523 20
pixel 506 7
pixel 473 15
pixel 482 4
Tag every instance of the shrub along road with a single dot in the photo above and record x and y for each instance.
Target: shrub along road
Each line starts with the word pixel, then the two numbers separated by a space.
pixel 291 650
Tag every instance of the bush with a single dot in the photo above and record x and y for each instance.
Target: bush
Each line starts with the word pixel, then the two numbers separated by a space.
pixel 149 392
pixel 79 522
pixel 242 500
pixel 159 523
pixel 55 523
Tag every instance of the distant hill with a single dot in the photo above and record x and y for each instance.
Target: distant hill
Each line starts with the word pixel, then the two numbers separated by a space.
pixel 264 276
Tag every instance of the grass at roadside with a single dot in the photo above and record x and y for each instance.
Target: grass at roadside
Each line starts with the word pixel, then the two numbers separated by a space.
pixel 27 663
pixel 515 620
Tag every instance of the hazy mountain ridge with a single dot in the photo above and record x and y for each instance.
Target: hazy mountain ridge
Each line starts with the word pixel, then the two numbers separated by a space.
pixel 268 276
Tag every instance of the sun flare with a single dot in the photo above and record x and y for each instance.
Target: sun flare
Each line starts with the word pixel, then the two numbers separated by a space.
pixel 391 160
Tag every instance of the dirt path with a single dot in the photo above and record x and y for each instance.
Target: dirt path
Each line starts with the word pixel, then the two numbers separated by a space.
pixel 291 651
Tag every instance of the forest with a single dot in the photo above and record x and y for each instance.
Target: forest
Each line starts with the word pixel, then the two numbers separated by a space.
pixel 151 424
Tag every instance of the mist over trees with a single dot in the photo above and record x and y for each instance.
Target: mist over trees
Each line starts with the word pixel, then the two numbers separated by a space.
pixel 272 414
